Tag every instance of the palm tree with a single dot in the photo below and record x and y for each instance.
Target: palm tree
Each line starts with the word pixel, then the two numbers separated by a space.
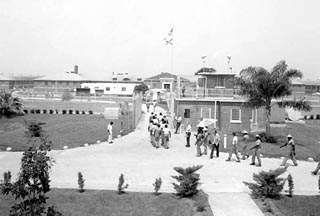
pixel 10 105
pixel 261 87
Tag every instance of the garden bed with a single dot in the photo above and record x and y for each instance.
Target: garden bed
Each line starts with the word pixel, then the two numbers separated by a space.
pixel 104 202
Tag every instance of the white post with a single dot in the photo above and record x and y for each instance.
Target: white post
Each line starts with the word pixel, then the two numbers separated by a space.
pixel 225 141
pixel 215 114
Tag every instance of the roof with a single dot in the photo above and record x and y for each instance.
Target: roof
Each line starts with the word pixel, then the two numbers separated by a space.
pixel 215 73
pixel 220 99
pixel 165 75
pixel 306 82
pixel 62 77
pixel 2 77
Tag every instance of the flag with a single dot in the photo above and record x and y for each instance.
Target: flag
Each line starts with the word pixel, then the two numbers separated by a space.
pixel 203 57
pixel 169 38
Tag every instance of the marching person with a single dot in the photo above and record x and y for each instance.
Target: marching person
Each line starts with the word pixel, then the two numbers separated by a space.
pixel 188 134
pixel 318 167
pixel 110 132
pixel 234 147
pixel 157 135
pixel 256 151
pixel 199 142
pixel 166 136
pixel 245 141
pixel 148 106
pixel 179 119
pixel 154 105
pixel 291 151
pixel 215 144
pixel 205 140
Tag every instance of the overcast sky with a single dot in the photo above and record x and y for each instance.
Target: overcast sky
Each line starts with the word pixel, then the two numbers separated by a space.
pixel 102 36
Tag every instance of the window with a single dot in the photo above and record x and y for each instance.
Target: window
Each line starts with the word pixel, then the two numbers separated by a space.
pixel 166 86
pixel 123 88
pixel 186 113
pixel 107 88
pixel 220 82
pixel 46 83
pixel 205 112
pixel 235 116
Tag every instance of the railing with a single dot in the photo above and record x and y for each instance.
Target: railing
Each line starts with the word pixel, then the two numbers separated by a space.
pixel 206 93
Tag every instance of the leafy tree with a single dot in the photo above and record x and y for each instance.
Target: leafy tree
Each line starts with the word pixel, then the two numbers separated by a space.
pixel 188 181
pixel 10 105
pixel 141 88
pixel 268 184
pixel 81 181
pixel 33 179
pixel 66 96
pixel 205 69
pixel 261 87
pixel 157 185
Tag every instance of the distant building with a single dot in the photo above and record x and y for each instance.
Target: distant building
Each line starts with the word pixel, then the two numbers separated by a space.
pixel 108 88
pixel 5 82
pixel 305 87
pixel 166 81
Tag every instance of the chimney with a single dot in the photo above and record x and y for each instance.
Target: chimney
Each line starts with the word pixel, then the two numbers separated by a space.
pixel 76 69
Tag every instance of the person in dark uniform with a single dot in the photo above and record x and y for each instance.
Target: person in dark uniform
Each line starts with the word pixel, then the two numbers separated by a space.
pixel 256 151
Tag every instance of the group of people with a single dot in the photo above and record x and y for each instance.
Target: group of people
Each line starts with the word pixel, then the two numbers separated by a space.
pixel 159 130
pixel 206 140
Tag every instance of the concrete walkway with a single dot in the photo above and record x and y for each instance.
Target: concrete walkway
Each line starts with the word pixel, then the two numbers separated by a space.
pixel 141 164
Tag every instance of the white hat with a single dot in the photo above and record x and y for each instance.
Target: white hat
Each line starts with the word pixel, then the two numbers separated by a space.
pixel 257 136
pixel 244 132
pixel 205 129
pixel 289 136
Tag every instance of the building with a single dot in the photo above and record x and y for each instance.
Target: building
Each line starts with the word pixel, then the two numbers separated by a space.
pixel 167 81
pixel 216 97
pixel 119 88
pixel 302 88
pixel 5 82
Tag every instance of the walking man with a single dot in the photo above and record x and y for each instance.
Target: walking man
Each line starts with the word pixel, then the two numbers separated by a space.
pixel 188 134
pixel 166 136
pixel 199 142
pixel 291 151
pixel 205 140
pixel 234 147
pixel 318 167
pixel 110 132
pixel 179 119
pixel 215 145
pixel 256 151
pixel 148 106
pixel 157 134
pixel 245 141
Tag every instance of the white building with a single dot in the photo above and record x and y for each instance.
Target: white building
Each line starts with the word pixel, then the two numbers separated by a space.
pixel 121 89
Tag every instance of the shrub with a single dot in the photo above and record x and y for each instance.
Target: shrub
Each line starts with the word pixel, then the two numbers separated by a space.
pixel 32 111
pixel 318 116
pixel 311 116
pixel 268 184
pixel 157 185
pixel 201 207
pixel 38 111
pixel 6 178
pixel 188 181
pixel 25 111
pixel 83 112
pixel 81 181
pixel 290 185
pixel 90 112
pixel 70 111
pixel 77 112
pixel 52 211
pixel 267 138
pixel 121 188
pixel 44 111
pixel 64 112
pixel 33 181
pixel 51 111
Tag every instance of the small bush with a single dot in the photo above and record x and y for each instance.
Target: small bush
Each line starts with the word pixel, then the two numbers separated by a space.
pixel 77 112
pixel 38 111
pixel 90 112
pixel 32 111
pixel 188 181
pixel 157 185
pixel 201 207
pixel 25 111
pixel 64 112
pixel 6 177
pixel 121 185
pixel 70 111
pixel 267 138
pixel 268 184
pixel 51 111
pixel 83 112
pixel 311 116
pixel 81 181
pixel 44 111
pixel 318 116
pixel 290 185
pixel 52 211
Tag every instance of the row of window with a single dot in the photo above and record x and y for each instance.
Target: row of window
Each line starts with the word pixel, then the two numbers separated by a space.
pixel 235 114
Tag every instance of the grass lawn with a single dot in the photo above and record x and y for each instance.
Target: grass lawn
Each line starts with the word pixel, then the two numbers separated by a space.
pixel 70 130
pixel 99 202
pixel 299 205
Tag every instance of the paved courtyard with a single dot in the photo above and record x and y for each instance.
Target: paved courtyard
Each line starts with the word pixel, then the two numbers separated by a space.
pixel 133 155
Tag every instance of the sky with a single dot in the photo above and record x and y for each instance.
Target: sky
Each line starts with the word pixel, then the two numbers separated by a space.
pixel 41 37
